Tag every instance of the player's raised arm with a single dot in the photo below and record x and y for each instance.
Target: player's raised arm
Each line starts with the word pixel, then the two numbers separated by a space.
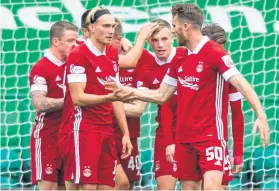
pixel 130 59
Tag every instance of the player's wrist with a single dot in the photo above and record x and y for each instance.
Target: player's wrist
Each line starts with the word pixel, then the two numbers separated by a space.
pixel 238 159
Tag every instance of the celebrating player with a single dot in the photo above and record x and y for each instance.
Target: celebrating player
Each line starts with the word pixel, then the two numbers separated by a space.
pixel 47 79
pixel 202 112
pixel 86 140
pixel 127 77
pixel 150 72
pixel 217 34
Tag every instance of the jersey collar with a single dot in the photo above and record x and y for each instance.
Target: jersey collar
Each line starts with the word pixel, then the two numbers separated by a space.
pixel 48 54
pixel 93 48
pixel 203 41
pixel 169 59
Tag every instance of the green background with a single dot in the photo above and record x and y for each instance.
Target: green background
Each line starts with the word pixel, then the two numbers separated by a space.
pixel 255 54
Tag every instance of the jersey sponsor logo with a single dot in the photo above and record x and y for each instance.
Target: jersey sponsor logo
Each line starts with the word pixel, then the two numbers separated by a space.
pixel 130 70
pixel 103 81
pixel 156 81
pixel 126 81
pixel 39 80
pixel 57 78
pixel 139 83
pixel 77 69
pixel 98 69
pixel 189 82
pixel 180 69
pixel 228 61
pixel 199 67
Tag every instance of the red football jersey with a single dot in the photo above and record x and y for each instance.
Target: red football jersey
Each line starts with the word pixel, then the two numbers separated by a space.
pixel 152 72
pixel 128 78
pixel 87 64
pixel 202 92
pixel 47 75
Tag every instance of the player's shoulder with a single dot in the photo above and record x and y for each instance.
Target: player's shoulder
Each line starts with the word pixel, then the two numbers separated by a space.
pixel 112 52
pixel 147 59
pixel 213 49
pixel 41 64
pixel 181 51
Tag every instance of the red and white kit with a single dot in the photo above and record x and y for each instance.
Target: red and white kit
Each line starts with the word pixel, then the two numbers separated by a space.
pixel 202 112
pixel 86 134
pixel 47 75
pixel 150 75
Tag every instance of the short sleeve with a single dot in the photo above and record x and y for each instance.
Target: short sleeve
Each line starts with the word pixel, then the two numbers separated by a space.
pixel 38 78
pixel 76 69
pixel 224 64
pixel 234 94
pixel 171 75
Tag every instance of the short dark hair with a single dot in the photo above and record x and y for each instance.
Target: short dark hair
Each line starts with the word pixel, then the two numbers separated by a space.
pixel 215 33
pixel 118 28
pixel 57 29
pixel 83 19
pixel 188 13
pixel 162 24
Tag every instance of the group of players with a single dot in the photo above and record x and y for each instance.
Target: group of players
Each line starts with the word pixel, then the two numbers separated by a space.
pixel 89 94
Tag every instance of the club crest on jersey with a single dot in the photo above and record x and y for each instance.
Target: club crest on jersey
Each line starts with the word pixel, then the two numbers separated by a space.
pixel 157 165
pixel 228 61
pixel 49 170
pixel 199 67
pixel 174 166
pixel 39 80
pixel 77 69
pixel 115 67
pixel 87 171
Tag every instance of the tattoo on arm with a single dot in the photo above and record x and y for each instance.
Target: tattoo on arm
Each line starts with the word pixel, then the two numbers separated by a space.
pixel 42 103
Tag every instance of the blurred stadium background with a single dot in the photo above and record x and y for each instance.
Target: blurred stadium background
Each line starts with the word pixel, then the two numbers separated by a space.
pixel 252 27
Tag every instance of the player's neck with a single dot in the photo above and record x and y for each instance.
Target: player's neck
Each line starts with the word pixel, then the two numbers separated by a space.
pixel 194 39
pixel 99 46
pixel 56 53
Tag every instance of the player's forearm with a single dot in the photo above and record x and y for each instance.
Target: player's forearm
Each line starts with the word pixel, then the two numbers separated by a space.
pixel 237 127
pixel 87 100
pixel 130 59
pixel 239 82
pixel 118 110
pixel 134 110
pixel 47 104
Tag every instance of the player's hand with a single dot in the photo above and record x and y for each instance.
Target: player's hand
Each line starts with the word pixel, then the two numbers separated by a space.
pixel 170 153
pixel 127 147
pixel 126 45
pixel 147 30
pixel 120 95
pixel 237 164
pixel 262 125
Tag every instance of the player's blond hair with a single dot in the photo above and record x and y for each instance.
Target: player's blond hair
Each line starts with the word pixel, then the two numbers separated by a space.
pixel 162 24
pixel 118 28
pixel 91 14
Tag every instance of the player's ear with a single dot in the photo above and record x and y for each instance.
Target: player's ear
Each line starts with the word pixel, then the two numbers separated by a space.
pixel 55 41
pixel 91 28
pixel 185 26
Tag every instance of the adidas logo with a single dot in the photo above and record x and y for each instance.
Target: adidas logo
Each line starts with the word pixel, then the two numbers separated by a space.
pixel 98 69
pixel 180 69
pixel 218 163
pixel 156 81
pixel 57 78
